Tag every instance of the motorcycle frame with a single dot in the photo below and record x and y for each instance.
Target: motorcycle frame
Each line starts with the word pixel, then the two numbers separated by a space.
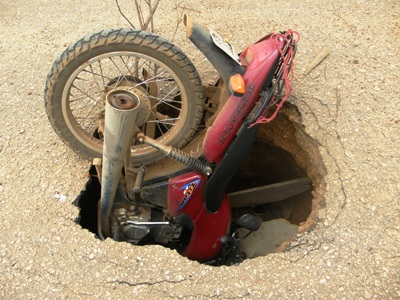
pixel 226 144
pixel 197 201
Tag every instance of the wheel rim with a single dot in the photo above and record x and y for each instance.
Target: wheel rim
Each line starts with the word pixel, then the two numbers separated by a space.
pixel 162 90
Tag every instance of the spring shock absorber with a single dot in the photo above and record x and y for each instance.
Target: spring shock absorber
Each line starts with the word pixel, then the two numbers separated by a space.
pixel 176 154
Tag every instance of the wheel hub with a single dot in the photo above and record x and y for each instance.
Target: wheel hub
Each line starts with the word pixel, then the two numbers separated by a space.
pixel 123 99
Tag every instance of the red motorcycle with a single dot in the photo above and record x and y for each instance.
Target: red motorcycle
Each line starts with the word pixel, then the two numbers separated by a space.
pixel 165 147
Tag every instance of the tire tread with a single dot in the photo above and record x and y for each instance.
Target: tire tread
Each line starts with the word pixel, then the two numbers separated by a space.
pixel 112 37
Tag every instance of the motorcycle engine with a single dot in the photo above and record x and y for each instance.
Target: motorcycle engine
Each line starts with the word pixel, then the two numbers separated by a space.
pixel 134 224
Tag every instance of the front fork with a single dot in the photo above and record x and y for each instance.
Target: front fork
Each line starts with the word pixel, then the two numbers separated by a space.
pixel 124 114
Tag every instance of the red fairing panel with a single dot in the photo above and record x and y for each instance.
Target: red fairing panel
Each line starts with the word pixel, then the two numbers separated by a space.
pixel 205 243
pixel 185 196
pixel 223 130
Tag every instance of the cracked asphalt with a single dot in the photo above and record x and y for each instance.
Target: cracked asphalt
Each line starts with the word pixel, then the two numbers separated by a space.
pixel 349 104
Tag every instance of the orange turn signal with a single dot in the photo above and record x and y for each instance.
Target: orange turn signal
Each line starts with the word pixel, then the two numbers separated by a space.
pixel 236 84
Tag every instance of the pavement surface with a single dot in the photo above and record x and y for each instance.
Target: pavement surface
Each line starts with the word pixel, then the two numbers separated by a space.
pixel 349 104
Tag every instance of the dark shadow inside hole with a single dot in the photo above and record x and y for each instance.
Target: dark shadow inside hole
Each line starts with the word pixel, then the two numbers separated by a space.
pixel 269 164
pixel 266 164
pixel 87 202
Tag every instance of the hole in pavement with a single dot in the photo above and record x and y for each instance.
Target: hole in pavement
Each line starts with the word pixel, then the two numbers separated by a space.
pixel 283 152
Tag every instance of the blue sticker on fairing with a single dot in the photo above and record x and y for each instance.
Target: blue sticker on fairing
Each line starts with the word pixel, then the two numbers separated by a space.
pixel 188 192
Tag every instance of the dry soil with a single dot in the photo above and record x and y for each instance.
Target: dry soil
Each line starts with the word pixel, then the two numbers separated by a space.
pixel 349 105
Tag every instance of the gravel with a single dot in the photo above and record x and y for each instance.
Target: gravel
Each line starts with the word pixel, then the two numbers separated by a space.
pixel 348 103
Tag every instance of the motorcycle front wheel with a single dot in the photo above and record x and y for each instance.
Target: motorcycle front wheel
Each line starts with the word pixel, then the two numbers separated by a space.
pixel 123 59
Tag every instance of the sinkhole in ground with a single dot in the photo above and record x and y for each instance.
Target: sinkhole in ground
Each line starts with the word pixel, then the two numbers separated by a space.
pixel 283 152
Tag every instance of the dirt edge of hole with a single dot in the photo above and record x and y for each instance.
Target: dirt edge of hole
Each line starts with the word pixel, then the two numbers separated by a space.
pixel 286 132
pixel 289 133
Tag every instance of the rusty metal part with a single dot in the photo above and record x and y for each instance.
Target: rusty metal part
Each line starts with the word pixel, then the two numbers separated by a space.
pixel 139 179
pixel 97 165
pixel 216 97
pixel 123 100
pixel 130 174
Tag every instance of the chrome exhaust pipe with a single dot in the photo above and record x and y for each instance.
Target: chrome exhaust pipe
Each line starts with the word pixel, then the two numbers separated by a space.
pixel 120 128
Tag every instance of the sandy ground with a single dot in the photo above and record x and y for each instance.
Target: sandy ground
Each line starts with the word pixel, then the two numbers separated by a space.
pixel 349 104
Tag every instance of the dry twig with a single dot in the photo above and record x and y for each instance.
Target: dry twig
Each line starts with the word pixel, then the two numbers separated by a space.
pixel 317 60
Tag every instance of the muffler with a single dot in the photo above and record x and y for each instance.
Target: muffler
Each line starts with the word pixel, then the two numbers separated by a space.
pixel 123 109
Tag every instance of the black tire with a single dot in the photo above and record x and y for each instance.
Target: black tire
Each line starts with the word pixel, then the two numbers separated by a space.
pixel 125 59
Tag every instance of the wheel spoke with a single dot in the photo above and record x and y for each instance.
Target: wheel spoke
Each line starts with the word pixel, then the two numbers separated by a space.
pixel 94 74
pixel 94 77
pixel 163 78
pixel 122 75
pixel 167 101
pixel 161 90
pixel 74 99
pixel 129 70
pixel 86 94
pixel 101 72
pixel 170 122
pixel 124 69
